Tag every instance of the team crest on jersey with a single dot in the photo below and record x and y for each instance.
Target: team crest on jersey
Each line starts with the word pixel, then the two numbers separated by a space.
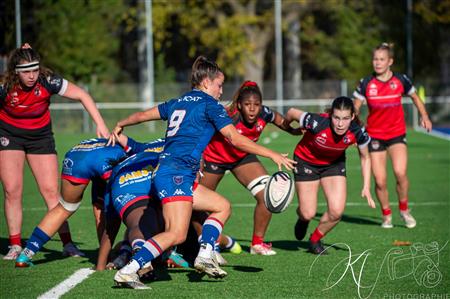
pixel 4 141
pixel 14 99
pixel 259 128
pixel 37 91
pixel 346 140
pixel 393 85
pixel 178 179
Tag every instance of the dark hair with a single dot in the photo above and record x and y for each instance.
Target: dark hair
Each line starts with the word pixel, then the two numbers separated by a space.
pixel 202 68
pixel 18 56
pixel 245 91
pixel 345 103
pixel 389 47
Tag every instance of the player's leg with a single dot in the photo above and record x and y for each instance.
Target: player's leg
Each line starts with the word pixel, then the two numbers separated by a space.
pixel 11 176
pixel 48 187
pixel 399 157
pixel 379 171
pixel 177 216
pixel 219 210
pixel 53 219
pixel 307 192
pixel 254 177
pixel 335 190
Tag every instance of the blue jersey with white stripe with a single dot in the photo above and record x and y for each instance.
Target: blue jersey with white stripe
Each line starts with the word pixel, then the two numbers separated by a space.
pixel 192 121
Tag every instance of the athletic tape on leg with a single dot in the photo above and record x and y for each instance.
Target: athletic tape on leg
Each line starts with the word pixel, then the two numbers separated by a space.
pixel 258 184
pixel 71 207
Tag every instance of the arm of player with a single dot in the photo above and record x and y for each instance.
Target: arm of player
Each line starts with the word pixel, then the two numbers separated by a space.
pixel 76 93
pixel 281 122
pixel 106 242
pixel 248 146
pixel 133 119
pixel 425 121
pixel 366 172
pixel 357 103
pixel 294 114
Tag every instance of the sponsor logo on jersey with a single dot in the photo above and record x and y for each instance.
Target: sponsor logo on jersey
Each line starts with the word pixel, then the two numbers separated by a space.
pixel 4 141
pixel 179 192
pixel 178 179
pixel 68 163
pixel 55 81
pixel 307 120
pixel 315 123
pixel 124 198
pixel 88 146
pixel 154 149
pixel 322 139
pixel 189 99
pixel 134 175
pixel 373 90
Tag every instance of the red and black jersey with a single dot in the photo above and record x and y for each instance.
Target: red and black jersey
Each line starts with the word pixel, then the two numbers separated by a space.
pixel 29 109
pixel 221 151
pixel 386 118
pixel 321 146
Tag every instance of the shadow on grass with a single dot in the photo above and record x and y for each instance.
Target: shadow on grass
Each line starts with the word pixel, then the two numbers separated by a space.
pixel 366 220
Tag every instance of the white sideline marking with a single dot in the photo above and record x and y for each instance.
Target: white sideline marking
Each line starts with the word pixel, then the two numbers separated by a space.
pixel 67 284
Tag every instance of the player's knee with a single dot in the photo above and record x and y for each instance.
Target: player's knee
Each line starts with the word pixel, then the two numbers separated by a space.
pixel 258 184
pixel 307 215
pixel 335 215
pixel 13 194
pixel 380 185
pixel 69 206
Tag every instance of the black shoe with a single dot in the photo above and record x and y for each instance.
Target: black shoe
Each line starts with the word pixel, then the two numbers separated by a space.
pixel 317 248
pixel 300 229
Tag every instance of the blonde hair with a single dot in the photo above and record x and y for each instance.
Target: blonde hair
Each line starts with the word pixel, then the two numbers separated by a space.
pixel 389 47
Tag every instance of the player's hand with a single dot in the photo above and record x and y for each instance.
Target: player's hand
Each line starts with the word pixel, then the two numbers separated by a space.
pixel 114 137
pixel 102 131
pixel 283 160
pixel 366 193
pixel 425 122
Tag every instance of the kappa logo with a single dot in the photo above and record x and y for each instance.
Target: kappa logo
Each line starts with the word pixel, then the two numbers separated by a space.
pixel 179 192
pixel 214 167
pixel 343 170
pixel 307 170
pixel 178 179
pixel 4 141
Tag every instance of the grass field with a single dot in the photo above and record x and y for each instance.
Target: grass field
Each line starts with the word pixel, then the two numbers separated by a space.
pixel 362 263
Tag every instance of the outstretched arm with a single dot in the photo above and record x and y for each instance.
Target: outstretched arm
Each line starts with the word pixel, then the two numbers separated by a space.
pixel 133 119
pixel 294 114
pixel 281 122
pixel 366 172
pixel 78 94
pixel 246 145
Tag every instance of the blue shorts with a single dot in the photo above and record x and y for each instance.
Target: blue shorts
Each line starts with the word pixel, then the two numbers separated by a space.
pixel 174 184
pixel 129 189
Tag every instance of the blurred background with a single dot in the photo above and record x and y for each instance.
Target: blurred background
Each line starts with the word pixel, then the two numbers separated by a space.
pixel 132 54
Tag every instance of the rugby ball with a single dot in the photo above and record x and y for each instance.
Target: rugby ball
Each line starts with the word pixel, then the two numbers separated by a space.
pixel 279 192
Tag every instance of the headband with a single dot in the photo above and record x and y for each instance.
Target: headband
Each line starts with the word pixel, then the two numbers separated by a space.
pixel 250 83
pixel 34 65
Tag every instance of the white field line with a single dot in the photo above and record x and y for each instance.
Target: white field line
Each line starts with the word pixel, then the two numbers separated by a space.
pixel 251 205
pixel 67 284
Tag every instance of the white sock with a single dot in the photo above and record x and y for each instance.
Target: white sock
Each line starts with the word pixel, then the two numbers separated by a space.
pixel 131 267
pixel 205 250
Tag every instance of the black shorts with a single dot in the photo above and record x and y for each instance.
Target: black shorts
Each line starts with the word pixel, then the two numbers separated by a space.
pixel 378 145
pixel 221 168
pixel 35 141
pixel 305 171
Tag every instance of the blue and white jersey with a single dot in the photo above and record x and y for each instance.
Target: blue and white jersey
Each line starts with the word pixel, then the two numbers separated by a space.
pixel 192 121
pixel 130 181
